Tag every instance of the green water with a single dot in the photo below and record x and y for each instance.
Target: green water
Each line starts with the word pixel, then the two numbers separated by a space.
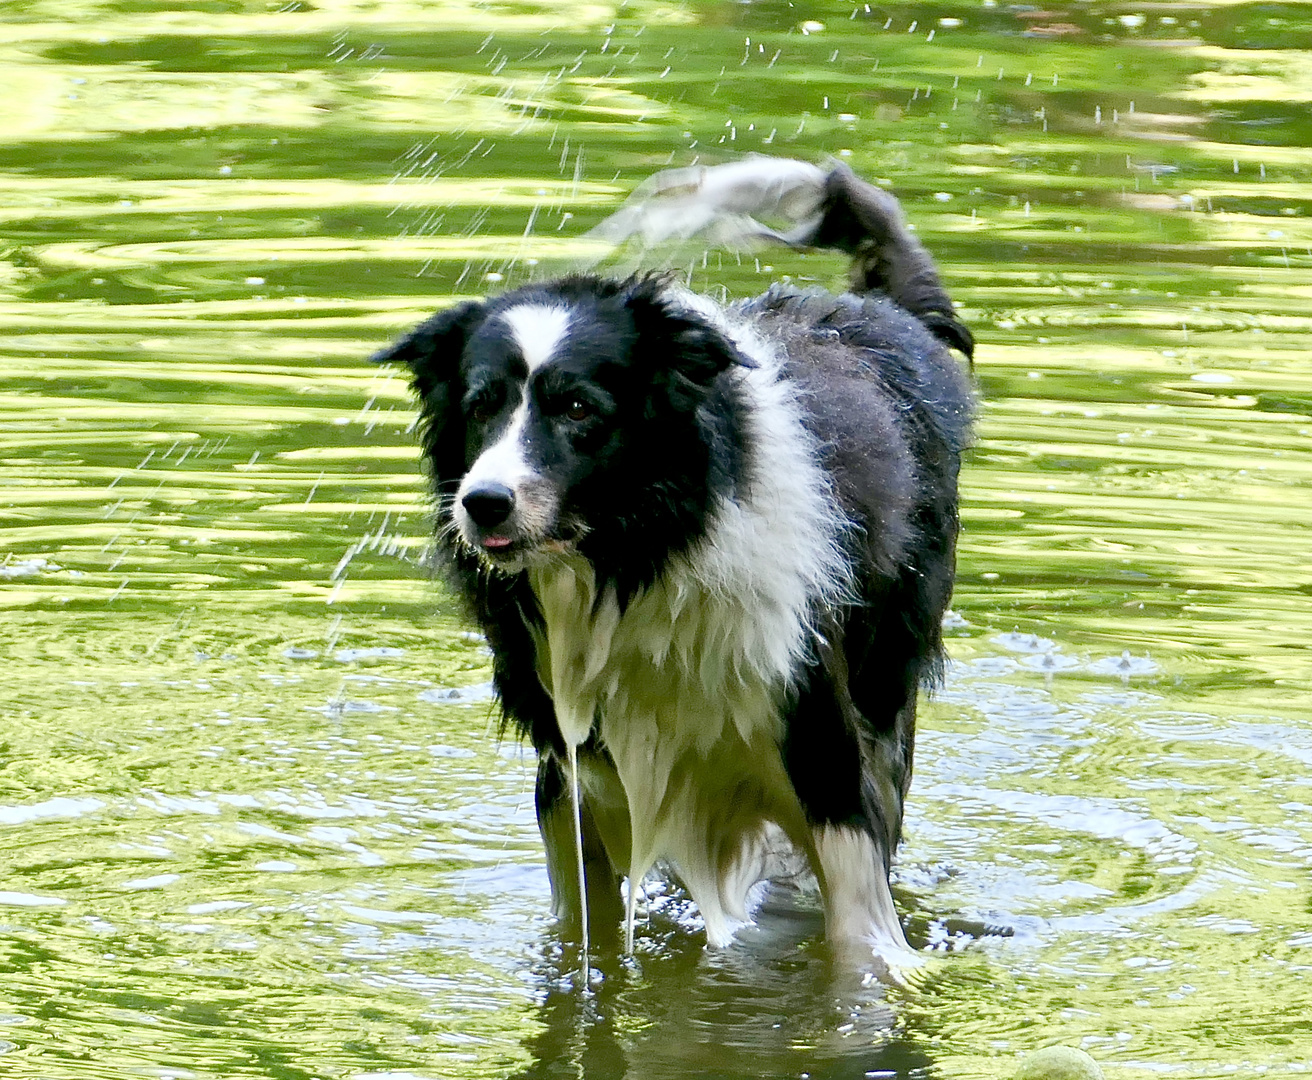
pixel 245 828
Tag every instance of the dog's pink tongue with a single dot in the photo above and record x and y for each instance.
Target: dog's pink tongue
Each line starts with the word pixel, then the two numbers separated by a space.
pixel 494 542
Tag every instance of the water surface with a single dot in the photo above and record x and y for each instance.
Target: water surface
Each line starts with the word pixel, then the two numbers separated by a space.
pixel 256 818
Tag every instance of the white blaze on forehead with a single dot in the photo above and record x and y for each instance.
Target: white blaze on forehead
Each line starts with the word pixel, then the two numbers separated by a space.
pixel 503 462
pixel 538 330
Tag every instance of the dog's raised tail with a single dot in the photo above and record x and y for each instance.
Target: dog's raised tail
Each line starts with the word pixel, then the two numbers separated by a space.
pixel 829 209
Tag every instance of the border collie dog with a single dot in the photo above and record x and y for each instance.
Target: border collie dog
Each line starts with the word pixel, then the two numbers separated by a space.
pixel 710 548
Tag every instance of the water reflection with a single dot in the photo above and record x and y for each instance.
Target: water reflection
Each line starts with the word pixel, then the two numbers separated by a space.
pixel 257 818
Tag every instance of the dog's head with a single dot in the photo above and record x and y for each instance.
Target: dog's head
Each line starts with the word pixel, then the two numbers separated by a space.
pixel 573 416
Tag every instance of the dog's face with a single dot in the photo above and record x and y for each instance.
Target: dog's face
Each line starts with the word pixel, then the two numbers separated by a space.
pixel 543 396
pixel 546 411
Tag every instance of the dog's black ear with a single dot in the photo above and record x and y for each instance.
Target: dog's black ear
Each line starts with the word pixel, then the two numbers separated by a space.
pixel 677 339
pixel 432 349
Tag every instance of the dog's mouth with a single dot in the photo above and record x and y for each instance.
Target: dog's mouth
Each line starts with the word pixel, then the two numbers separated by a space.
pixel 510 527
pixel 510 552
pixel 499 548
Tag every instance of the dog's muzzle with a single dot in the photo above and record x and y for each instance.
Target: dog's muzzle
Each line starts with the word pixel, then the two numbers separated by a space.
pixel 489 506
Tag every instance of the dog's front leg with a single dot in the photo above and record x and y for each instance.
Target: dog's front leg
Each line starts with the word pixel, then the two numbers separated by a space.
pixel 556 823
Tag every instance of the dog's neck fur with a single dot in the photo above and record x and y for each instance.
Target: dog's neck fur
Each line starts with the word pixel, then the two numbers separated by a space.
pixel 683 684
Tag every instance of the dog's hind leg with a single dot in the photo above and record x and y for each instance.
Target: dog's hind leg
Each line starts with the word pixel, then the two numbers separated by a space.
pixel 850 772
pixel 861 922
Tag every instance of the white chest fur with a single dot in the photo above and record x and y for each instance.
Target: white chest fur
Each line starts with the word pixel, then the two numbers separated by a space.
pixel 691 731
pixel 685 685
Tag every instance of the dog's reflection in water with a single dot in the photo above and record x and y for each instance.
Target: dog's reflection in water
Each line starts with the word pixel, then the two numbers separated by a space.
pixel 779 1003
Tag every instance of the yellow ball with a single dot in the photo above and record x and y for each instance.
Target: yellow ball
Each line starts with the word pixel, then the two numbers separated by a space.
pixel 1058 1063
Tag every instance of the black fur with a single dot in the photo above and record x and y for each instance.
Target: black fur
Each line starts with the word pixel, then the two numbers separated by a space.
pixel 663 437
pixel 892 411
pixel 659 369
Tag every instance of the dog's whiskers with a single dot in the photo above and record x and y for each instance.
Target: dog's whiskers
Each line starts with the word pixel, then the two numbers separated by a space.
pixel 446 529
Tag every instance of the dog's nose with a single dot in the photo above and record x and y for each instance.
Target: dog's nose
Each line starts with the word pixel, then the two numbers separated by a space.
pixel 489 504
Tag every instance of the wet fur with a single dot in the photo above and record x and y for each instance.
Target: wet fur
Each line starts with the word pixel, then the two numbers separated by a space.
pixel 724 584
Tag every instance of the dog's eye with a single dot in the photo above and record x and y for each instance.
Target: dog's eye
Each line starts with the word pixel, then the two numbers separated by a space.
pixel 579 410
pixel 484 407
